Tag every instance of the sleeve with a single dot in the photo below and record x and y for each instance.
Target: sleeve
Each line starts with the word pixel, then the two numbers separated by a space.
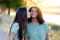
pixel 47 29
pixel 15 27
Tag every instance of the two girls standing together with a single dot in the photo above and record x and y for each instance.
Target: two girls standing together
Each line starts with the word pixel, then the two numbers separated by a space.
pixel 32 28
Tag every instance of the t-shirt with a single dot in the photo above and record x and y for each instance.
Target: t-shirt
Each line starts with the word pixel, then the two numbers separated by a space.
pixel 37 31
pixel 14 29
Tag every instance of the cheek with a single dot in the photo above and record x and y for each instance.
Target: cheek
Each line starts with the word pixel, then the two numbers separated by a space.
pixel 31 13
pixel 36 14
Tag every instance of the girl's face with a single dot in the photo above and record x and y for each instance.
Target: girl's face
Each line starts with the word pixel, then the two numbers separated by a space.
pixel 33 12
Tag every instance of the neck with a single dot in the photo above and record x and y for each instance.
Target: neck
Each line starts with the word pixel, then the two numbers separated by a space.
pixel 34 20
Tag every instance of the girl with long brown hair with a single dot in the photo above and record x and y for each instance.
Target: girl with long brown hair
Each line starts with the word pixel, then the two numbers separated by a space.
pixel 36 29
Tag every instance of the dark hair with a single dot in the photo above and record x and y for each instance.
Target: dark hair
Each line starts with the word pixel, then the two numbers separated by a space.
pixel 21 19
pixel 39 15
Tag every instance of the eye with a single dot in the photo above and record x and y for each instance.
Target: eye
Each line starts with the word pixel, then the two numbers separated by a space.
pixel 32 11
pixel 36 11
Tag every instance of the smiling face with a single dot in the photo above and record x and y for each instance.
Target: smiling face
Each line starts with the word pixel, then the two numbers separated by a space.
pixel 33 12
pixel 36 13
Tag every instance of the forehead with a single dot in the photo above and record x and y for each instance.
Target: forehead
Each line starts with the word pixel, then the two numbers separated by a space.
pixel 33 8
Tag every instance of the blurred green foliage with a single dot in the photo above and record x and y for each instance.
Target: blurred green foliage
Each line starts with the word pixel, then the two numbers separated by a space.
pixel 12 3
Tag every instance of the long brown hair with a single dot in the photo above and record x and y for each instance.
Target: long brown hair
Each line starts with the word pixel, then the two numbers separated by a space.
pixel 39 15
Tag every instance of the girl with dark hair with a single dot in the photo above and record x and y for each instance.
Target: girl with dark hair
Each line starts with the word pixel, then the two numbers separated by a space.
pixel 18 27
pixel 36 29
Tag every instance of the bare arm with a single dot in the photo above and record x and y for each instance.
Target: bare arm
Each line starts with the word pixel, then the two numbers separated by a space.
pixel 25 38
pixel 47 37
pixel 11 36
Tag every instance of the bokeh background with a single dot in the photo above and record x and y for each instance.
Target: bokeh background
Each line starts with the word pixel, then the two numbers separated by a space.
pixel 50 10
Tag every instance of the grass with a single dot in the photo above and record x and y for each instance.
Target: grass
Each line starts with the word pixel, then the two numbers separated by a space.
pixel 55 32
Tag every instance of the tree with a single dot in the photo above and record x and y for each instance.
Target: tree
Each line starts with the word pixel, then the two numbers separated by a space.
pixel 12 4
pixel 1 6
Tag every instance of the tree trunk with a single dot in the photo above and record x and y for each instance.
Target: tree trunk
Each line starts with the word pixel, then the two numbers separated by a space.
pixel 8 11
pixel 5 10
